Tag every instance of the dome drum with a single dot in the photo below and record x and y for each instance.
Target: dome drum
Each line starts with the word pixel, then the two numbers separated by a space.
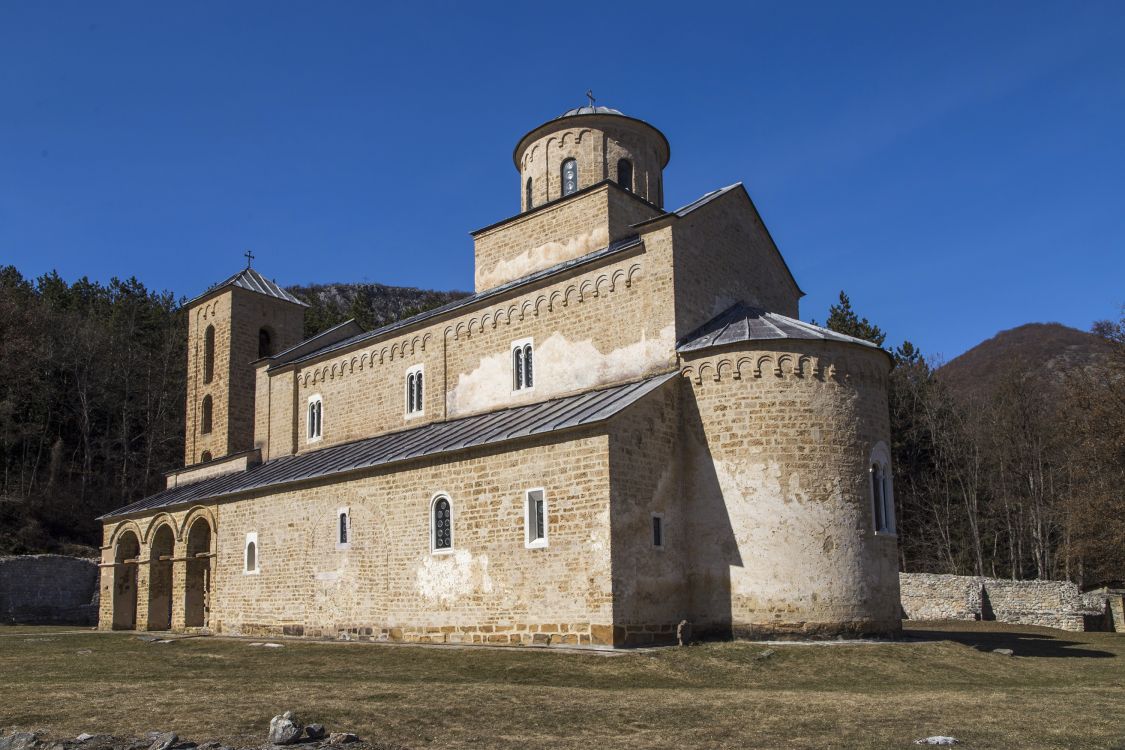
pixel 588 145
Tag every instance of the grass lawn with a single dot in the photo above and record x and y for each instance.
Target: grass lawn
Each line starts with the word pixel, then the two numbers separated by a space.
pixel 1062 690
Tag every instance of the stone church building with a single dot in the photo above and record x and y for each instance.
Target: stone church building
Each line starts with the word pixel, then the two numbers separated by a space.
pixel 625 427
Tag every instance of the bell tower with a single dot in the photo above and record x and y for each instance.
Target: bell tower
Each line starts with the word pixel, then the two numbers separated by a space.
pixel 230 326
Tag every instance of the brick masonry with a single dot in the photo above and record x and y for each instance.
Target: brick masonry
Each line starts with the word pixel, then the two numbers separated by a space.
pixel 49 589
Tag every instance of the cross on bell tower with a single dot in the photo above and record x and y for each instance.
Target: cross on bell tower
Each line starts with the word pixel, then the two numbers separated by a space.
pixel 249 258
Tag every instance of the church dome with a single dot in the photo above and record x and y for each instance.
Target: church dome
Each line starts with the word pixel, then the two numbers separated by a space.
pixel 588 110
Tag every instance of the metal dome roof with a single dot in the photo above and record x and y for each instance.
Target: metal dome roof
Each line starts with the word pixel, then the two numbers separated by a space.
pixel 588 110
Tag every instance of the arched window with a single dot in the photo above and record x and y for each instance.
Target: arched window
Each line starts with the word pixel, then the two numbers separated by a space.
pixel 569 176
pixel 343 528
pixel 414 391
pixel 209 354
pixel 250 560
pixel 882 490
pixel 315 419
pixel 528 201
pixel 265 342
pixel 205 417
pixel 523 366
pixel 205 457
pixel 441 524
pixel 625 174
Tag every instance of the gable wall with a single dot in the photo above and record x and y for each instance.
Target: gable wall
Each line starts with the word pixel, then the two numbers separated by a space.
pixel 723 255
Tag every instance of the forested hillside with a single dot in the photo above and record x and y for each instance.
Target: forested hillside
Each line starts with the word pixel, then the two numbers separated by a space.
pixel 92 394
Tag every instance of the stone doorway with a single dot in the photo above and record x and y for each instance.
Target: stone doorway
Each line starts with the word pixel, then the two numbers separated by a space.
pixel 197 585
pixel 125 581
pixel 160 579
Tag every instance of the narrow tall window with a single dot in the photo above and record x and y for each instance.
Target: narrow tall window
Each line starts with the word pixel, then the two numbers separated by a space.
pixel 414 391
pixel 880 502
pixel 441 535
pixel 569 176
pixel 657 530
pixel 625 174
pixel 315 420
pixel 250 560
pixel 523 366
pixel 882 490
pixel 205 417
pixel 343 528
pixel 528 201
pixel 209 354
pixel 535 519
pixel 265 342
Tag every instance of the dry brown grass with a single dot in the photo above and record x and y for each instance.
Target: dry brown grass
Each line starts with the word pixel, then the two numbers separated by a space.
pixel 1063 690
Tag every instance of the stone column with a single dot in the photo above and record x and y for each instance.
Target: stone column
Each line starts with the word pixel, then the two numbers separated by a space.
pixel 179 578
pixel 105 590
pixel 143 569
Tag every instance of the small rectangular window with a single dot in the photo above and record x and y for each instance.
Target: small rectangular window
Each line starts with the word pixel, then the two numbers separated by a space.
pixel 658 530
pixel 343 528
pixel 535 518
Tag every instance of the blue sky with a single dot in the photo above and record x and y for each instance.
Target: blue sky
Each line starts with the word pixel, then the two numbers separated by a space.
pixel 958 168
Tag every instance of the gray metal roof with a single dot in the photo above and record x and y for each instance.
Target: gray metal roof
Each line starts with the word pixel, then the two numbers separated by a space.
pixel 348 329
pixel 253 281
pixel 489 428
pixel 703 200
pixel 613 248
pixel 744 323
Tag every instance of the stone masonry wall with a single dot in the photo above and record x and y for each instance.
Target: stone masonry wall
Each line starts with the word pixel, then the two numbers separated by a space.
pixel 577 226
pixel 606 323
pixel 1053 604
pixel 387 584
pixel 778 443
pixel 48 589
pixel 651 585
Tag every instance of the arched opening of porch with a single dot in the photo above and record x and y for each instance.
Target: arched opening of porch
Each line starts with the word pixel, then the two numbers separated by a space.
pixel 125 555
pixel 197 584
pixel 160 579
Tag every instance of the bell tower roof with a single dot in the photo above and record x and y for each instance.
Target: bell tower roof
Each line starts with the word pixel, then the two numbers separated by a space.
pixel 252 281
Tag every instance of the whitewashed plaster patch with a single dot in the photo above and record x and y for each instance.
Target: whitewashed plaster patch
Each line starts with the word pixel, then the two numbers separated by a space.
pixel 543 256
pixel 782 534
pixel 446 578
pixel 561 366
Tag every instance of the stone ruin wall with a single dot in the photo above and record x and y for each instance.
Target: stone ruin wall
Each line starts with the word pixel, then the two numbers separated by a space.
pixel 48 589
pixel 1052 604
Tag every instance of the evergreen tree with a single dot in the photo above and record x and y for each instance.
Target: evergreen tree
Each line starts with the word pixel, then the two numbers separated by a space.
pixel 843 319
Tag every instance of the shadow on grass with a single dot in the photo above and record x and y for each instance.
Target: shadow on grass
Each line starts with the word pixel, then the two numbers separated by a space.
pixel 1021 644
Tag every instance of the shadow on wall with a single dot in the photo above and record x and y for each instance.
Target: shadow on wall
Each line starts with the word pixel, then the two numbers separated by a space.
pixel 713 547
